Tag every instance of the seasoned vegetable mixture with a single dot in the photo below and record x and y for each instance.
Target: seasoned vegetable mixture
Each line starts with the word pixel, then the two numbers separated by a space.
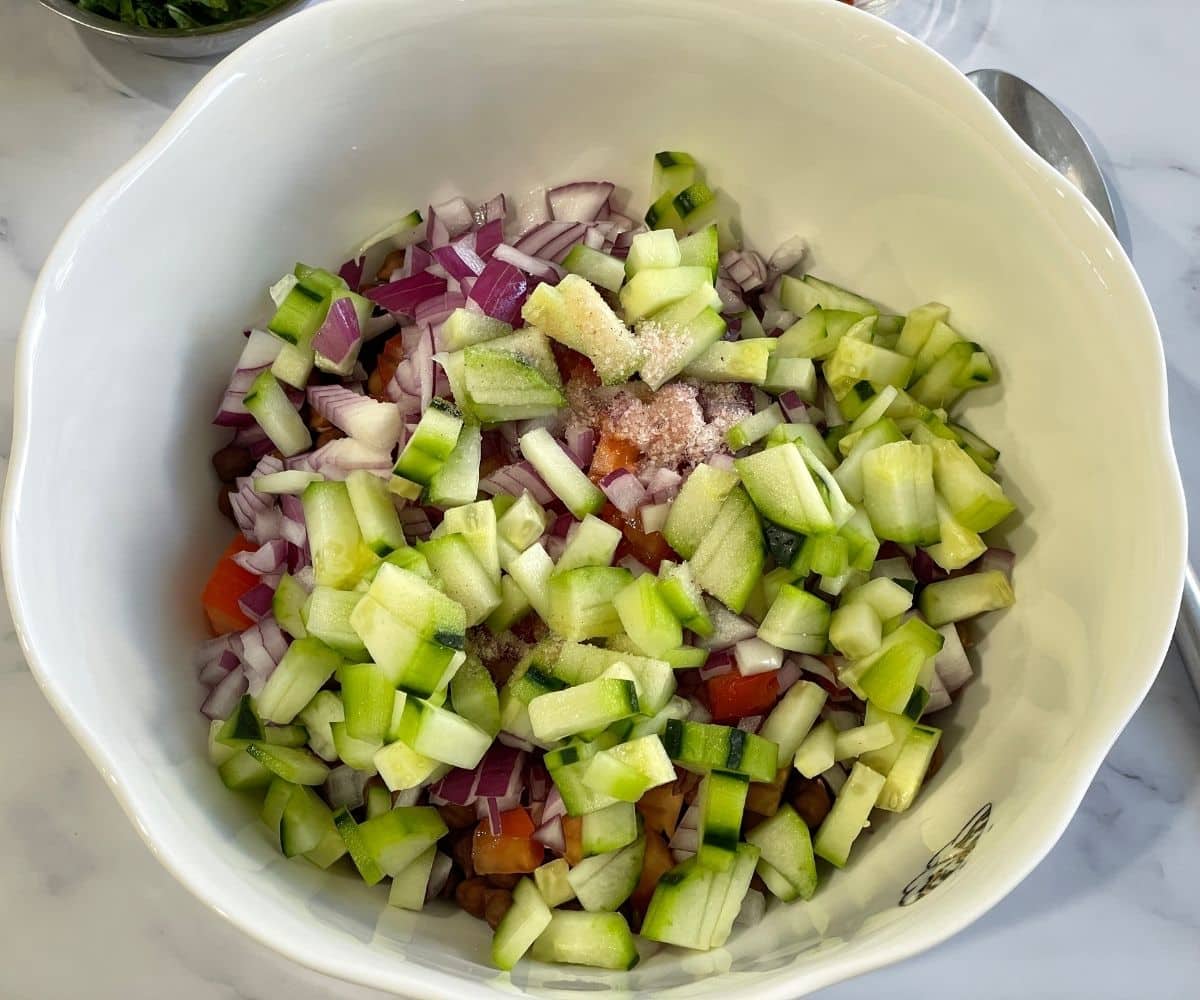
pixel 600 576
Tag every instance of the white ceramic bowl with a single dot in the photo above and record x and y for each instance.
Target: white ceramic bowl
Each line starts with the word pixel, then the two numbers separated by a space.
pixel 819 120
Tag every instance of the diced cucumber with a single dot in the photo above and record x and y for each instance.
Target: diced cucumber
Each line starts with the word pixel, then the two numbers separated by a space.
pixel 959 547
pixel 305 823
pixel 733 361
pixel 431 443
pixel 577 662
pixel 552 882
pixel 786 846
pixel 698 207
pixel 367 696
pixel 796 621
pixel 379 800
pixel 673 171
pixel 652 250
pixel 728 906
pixel 473 694
pixel 420 605
pixel 701 250
pixel 339 555
pixel 413 662
pixel 602 940
pixel 652 289
pixel 753 428
pixel 918 325
pixel 401 767
pixel 854 742
pixel 722 802
pixel 462 328
pixel 797 375
pixel 696 506
pixel 453 560
pixel 351 834
pixel 941 340
pixel 613 777
pixel 358 754
pixel 512 377
pixel 901 725
pixel 531 571
pixel 605 881
pixel 848 816
pixel 592 705
pixel 476 522
pixel 815 755
pixel 560 472
pixel 575 314
pixel 647 618
pixel 855 630
pixel 782 487
pixel 303 671
pixel 973 497
pixel 702 746
pixel 946 378
pixel 290 763
pixel 327 613
pixel 591 542
pixel 441 734
pixel 457 482
pixel 676 911
pixel 800 295
pixel 325 708
pixel 599 268
pixel 849 473
pixel 523 523
pixel 682 594
pixel 408 888
pixel 608 829
pixel 266 401
pixel 885 596
pixel 793 717
pixel 962 597
pixel 854 361
pixel 289 598
pixel 728 561
pixel 898 490
pixel 581 601
pixel 888 676
pixel 907 773
pixel 243 771
pixel 525 921
pixel 397 838
pixel 242 727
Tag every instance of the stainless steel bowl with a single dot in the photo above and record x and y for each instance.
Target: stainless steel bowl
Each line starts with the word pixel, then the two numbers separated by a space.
pixel 182 43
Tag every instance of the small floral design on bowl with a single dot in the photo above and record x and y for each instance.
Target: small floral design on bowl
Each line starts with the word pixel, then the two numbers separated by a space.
pixel 949 859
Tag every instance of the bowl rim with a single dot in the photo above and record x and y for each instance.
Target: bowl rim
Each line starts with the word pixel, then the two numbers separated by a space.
pixel 119 29
pixel 404 976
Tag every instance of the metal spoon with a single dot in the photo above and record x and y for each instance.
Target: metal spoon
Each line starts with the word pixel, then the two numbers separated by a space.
pixel 1050 134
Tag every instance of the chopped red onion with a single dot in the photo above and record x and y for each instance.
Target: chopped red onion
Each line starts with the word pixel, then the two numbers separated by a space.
pixel 581 444
pixel 254 439
pixel 217 670
pixel 745 268
pixel 416 523
pixel 621 222
pixel 776 320
pixel 263 646
pixel 550 833
pixel 416 260
pixel 500 291
pixel 731 295
pixel 952 664
pixel 535 267
pixel 750 723
pixel 654 516
pixel 582 201
pixel 538 782
pixel 787 255
pixel 256 602
pixel 438 875
pixel 997 559
pixel 337 459
pixel 499 775
pixel 662 484
pixel 223 698
pixel 562 526
pixel 595 238
pixel 375 424
pixel 624 490
pixel 794 408
pixel 345 786
pixel 448 220
pixel 433 312
pixel 939 697
pixel 788 674
pixel 554 546
pixel 268 558
pixel 926 568
pixel 493 210
pixel 460 258
pixel 699 712
pixel 405 295
pixel 457 787
pixel 754 906
pixel 257 356
pixel 351 272
pixel 835 778
pixel 538 239
pixel 515 479
pixel 717 665
pixel 554 805
pixel 558 247
pixel 634 566
pixel 214 649
pixel 339 337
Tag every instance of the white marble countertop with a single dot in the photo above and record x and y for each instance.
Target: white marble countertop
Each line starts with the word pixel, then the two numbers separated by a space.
pixel 1113 912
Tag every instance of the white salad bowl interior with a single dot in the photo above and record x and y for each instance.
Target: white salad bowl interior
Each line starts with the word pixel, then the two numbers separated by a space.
pixel 819 120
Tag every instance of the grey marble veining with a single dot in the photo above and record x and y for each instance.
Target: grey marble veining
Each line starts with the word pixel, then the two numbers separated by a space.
pixel 1112 913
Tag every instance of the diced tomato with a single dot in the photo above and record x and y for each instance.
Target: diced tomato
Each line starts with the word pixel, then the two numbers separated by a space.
pixel 573 838
pixel 574 366
pixel 389 360
pixel 648 548
pixel 655 865
pixel 660 806
pixel 612 453
pixel 510 851
pixel 731 696
pixel 224 589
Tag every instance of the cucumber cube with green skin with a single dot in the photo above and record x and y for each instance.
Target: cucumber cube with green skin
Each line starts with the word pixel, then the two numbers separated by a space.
pixel 440 734
pixel 591 542
pixel 574 313
pixel 317 717
pixel 473 693
pixel 888 676
pixel 849 473
pixel 351 834
pixel 737 884
pixel 698 206
pixel 295 765
pixel 722 803
pixel 647 618
pixel 853 742
pixel 701 250
pixel 401 767
pixel 797 621
pixel 601 940
pixel 431 443
pixel 358 754
pixel 848 816
pixel 408 888
pixel 945 381
pixel 420 605
pixel 661 214
pixel 815 755
pixel 959 547
pixel 279 793
pixel 613 777
pixel 242 727
pixel 855 361
pixel 676 911
pixel 242 772
pixel 908 770
pixel 300 314
pixel 728 562
pixel 581 601
pixel 733 361
pixel 918 325
pixel 302 672
pixel 551 881
pixel 462 328
pixel 577 663
pixel 523 523
pixel 578 797
pixel 696 506
pixel 793 717
pixel 339 555
pixel 605 881
pixel 898 490
pixel 599 268
pixel 678 588
pixel 306 821
pixel 497 380
pixel 800 295
pixel 653 289
pixel 753 428
pixel 974 498
pixel 327 612
pixel 901 725
pixel 560 472
pixel 476 522
pixel 578 709
pixel 673 171
pixel 608 829
pixel 785 844
pixel 367 695
pixel 289 598
pixel 653 250
pixel 413 662
pixel 785 491
pixel 397 838
pixel 524 922
pixel 465 578
pixel 963 597
pixel 855 630
pixel 702 746
pixel 942 339
pixel 457 482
